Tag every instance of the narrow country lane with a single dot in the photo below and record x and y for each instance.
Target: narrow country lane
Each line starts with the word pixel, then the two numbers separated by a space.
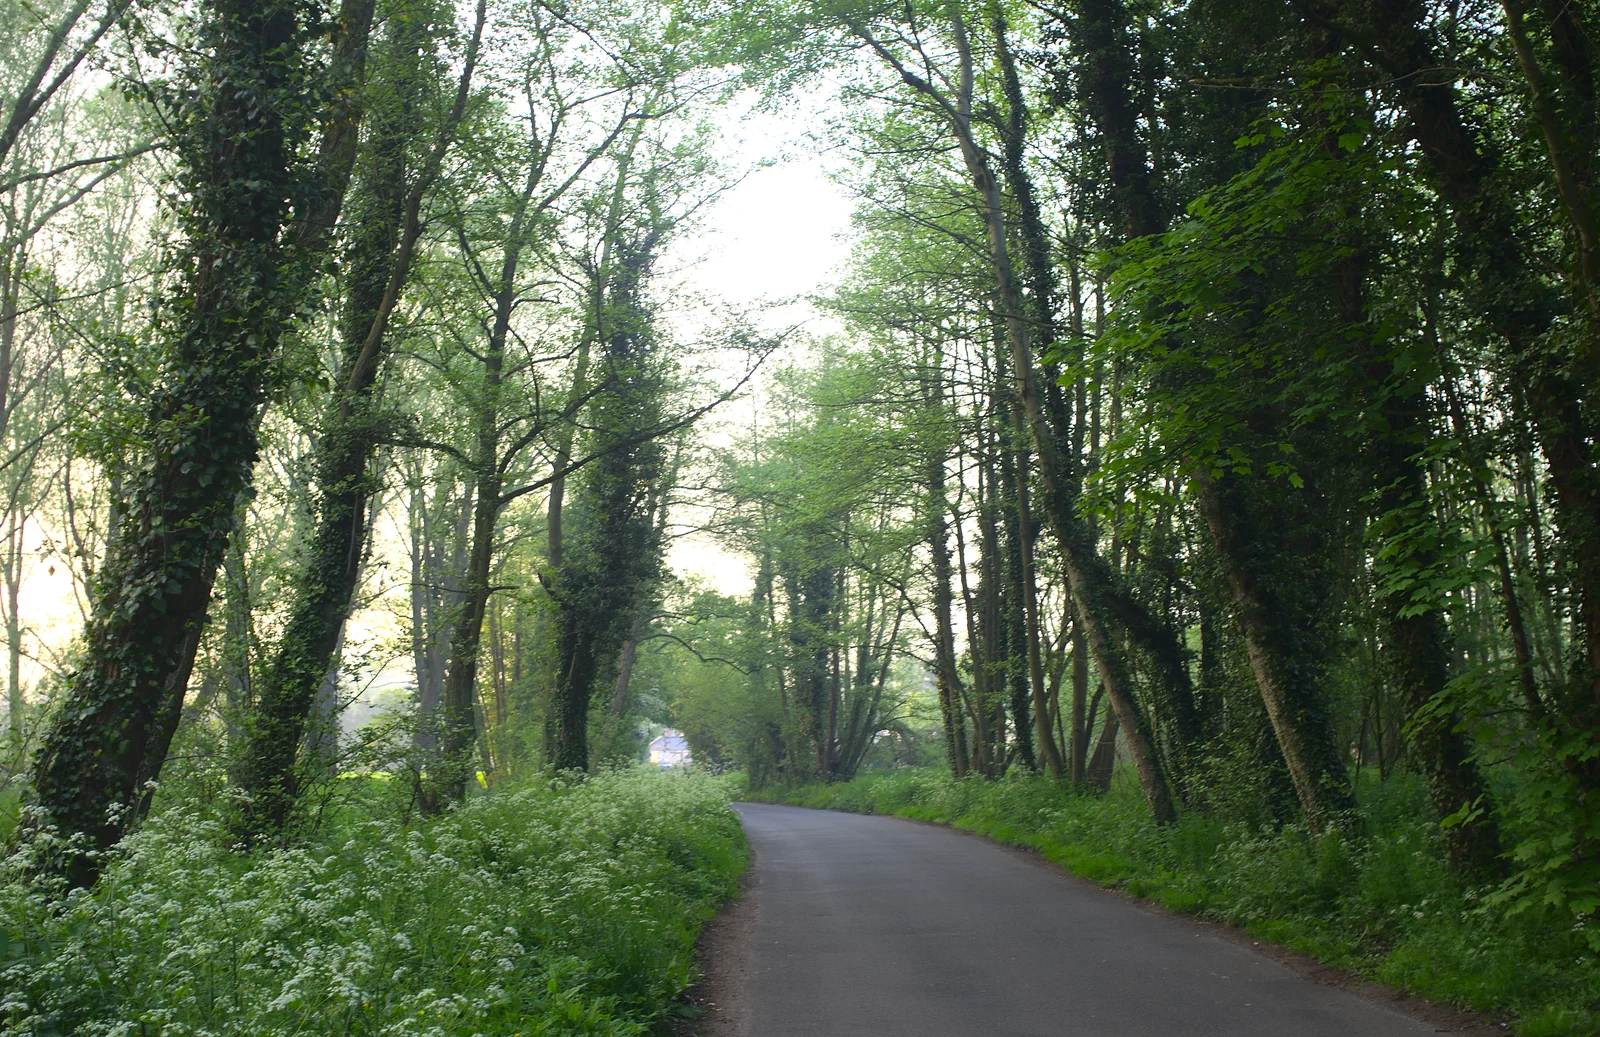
pixel 883 927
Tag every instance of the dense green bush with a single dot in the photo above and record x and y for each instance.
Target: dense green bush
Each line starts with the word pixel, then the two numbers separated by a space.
pixel 565 906
pixel 1377 899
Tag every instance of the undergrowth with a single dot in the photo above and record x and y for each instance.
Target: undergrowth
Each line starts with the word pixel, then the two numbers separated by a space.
pixel 1378 900
pixel 565 906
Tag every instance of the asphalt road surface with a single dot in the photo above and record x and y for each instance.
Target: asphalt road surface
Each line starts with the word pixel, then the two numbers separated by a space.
pixel 877 926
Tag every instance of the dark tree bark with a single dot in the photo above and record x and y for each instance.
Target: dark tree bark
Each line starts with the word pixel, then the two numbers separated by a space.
pixel 946 675
pixel 613 549
pixel 810 605
pixel 1495 246
pixel 1278 611
pixel 1080 705
pixel 986 614
pixel 1015 572
pixel 1097 774
pixel 1086 573
pixel 645 595
pixel 111 734
pixel 458 717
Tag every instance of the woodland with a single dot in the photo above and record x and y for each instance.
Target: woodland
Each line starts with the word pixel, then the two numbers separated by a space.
pixel 1202 429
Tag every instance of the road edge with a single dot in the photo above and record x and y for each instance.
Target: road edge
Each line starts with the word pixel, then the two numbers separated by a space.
pixel 722 955
pixel 1444 1018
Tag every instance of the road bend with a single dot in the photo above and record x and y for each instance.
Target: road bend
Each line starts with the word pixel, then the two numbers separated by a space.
pixel 877 926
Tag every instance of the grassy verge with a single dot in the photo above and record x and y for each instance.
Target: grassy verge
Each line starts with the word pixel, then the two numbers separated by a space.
pixel 1378 902
pixel 560 907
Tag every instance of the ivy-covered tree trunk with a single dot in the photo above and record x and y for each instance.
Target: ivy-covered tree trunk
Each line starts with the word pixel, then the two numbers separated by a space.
pixel 458 715
pixel 382 241
pixel 987 612
pixel 645 596
pixel 1033 626
pixel 323 587
pixel 1097 772
pixel 1280 614
pixel 1081 720
pixel 457 718
pixel 613 548
pixel 239 173
pixel 612 566
pixel 1497 247
pixel 946 676
pixel 1015 571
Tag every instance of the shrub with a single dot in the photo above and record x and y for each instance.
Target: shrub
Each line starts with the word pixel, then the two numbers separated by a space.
pixel 565 906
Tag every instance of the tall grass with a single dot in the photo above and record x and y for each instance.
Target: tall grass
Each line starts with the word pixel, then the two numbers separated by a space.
pixel 560 907
pixel 1377 900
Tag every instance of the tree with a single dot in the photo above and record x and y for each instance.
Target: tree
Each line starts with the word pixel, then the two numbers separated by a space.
pixel 241 172
pixel 386 225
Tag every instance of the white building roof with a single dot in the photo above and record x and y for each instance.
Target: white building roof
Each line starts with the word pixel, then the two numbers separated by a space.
pixel 670 741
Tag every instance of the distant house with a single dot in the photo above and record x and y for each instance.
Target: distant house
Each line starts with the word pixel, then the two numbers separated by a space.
pixel 669 750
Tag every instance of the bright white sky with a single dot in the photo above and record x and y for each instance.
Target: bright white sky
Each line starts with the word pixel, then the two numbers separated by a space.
pixel 782 234
pixel 778 236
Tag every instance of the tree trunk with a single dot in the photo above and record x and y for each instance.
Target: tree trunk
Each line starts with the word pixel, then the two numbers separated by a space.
pixel 1080 704
pixel 384 232
pixel 1097 775
pixel 13 588
pixel 616 541
pixel 630 650
pixel 986 615
pixel 656 506
pixel 458 704
pixel 1016 572
pixel 1288 678
pixel 1495 247
pixel 947 676
pixel 457 713
pixel 111 734
pixel 1049 751
pixel 438 561
pixel 1085 573
pixel 1417 647
pixel 555 538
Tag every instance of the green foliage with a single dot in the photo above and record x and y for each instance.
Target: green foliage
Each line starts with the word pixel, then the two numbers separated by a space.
pixel 242 122
pixel 826 496
pixel 1243 292
pixel 1558 830
pixel 555 907
pixel 1376 899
